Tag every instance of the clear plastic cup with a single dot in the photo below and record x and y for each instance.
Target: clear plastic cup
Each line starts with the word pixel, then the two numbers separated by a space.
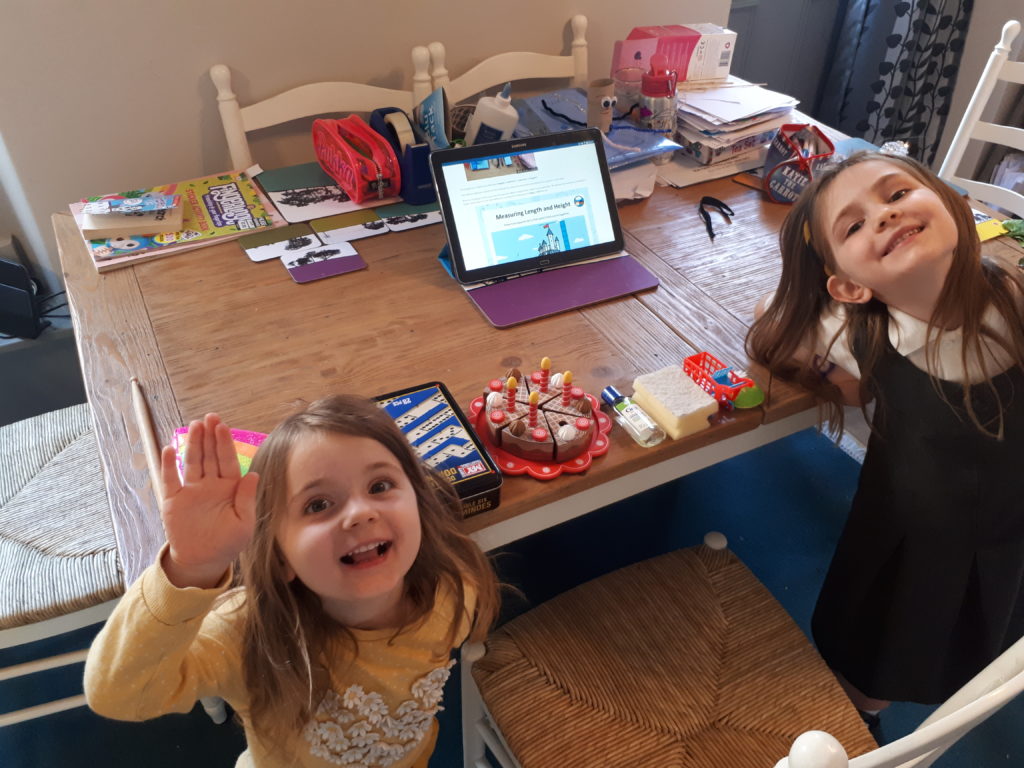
pixel 627 87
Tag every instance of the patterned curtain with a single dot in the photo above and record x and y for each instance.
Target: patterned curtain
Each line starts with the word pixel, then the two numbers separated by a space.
pixel 894 70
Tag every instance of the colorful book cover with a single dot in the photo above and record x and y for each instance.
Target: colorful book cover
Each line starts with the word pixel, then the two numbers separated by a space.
pixel 145 204
pixel 216 207
pixel 246 443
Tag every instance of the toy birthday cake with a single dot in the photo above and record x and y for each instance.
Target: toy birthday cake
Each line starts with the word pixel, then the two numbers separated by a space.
pixel 540 418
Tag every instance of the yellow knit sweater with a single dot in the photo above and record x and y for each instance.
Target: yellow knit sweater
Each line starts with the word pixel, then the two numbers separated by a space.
pixel 163 648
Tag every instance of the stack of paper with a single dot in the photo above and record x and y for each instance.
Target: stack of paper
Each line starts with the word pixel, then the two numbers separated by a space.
pixel 722 122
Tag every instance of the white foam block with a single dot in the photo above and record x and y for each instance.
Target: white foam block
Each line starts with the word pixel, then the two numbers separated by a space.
pixel 674 400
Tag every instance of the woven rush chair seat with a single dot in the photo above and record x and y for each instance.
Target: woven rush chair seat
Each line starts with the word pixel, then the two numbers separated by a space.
pixel 684 660
pixel 57 549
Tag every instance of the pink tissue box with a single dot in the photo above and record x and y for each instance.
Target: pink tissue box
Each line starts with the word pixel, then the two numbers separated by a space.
pixel 694 51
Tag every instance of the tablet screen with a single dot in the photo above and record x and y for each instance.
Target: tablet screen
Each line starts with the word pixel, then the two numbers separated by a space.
pixel 527 204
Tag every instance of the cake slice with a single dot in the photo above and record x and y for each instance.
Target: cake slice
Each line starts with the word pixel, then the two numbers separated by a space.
pixel 674 400
pixel 572 434
pixel 531 443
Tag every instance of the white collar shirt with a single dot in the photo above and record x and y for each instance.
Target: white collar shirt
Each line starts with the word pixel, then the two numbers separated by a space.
pixel 909 336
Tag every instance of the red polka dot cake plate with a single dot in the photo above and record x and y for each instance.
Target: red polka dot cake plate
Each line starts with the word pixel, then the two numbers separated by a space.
pixel 543 470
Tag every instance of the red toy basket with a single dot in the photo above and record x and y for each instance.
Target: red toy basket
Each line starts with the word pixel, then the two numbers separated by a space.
pixel 715 377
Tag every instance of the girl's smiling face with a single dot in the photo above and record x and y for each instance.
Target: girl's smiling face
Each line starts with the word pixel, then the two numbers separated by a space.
pixel 890 235
pixel 351 527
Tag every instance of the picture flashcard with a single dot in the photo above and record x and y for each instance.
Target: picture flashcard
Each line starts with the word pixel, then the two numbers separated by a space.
pixel 297 205
pixel 346 227
pixel 322 261
pixel 276 243
pixel 404 216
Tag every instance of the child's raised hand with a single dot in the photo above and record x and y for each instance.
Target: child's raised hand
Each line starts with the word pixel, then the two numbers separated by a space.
pixel 208 516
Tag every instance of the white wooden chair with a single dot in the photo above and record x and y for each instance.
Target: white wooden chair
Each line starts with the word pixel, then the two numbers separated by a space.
pixel 686 654
pixel 990 690
pixel 58 557
pixel 58 554
pixel 503 67
pixel 972 126
pixel 308 100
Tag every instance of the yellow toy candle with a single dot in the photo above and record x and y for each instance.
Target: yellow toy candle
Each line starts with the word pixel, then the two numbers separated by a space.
pixel 510 394
pixel 545 373
pixel 566 387
pixel 534 404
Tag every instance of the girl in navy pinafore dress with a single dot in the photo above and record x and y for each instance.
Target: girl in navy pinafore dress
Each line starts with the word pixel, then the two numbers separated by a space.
pixel 884 296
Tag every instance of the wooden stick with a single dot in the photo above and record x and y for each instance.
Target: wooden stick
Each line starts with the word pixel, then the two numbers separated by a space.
pixel 149 441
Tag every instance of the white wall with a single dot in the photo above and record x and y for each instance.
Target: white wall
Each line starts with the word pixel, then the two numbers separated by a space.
pixel 107 95
pixel 987 21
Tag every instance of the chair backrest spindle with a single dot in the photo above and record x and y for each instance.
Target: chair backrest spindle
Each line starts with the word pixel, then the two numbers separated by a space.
pixel 998 68
pixel 309 100
pixel 518 65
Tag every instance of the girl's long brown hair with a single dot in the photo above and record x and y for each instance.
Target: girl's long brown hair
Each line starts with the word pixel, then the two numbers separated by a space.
pixel 791 322
pixel 287 637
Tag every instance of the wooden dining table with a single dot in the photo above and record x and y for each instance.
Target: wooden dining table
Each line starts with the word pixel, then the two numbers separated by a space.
pixel 209 330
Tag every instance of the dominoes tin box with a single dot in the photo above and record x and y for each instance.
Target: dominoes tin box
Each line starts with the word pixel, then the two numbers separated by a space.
pixel 440 434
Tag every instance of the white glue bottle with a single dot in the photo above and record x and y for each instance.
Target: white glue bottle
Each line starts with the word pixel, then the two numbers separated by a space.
pixel 494 118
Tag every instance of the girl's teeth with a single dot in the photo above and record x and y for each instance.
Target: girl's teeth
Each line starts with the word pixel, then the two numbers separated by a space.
pixel 911 232
pixel 355 555
pixel 367 548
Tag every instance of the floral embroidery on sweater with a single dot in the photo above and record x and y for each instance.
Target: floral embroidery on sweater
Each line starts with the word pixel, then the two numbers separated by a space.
pixel 356 729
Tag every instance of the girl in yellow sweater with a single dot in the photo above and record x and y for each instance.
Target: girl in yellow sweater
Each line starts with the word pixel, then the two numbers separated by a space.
pixel 355 585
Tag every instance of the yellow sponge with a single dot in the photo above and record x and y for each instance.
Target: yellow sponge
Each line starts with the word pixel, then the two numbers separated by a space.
pixel 674 400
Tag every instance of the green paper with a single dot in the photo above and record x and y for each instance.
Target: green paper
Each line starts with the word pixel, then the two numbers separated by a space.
pixel 404 209
pixel 342 220
pixel 295 177
pixel 277 235
pixel 1015 229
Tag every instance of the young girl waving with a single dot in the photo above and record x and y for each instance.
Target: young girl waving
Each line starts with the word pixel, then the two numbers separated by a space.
pixel 356 585
pixel 884 295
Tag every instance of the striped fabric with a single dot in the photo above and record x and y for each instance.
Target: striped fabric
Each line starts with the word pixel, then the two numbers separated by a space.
pixel 684 660
pixel 57 548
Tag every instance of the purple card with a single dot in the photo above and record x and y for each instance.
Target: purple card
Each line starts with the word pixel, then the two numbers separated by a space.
pixel 322 261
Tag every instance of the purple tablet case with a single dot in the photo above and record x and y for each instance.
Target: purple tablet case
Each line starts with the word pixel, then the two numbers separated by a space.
pixel 547 293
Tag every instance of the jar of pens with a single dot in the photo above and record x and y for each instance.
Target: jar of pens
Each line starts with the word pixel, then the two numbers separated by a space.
pixel 794 155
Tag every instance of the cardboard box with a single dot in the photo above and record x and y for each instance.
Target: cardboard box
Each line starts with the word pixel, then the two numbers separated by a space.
pixel 442 437
pixel 694 51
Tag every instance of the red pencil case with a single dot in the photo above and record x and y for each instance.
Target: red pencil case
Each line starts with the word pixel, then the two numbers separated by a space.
pixel 357 157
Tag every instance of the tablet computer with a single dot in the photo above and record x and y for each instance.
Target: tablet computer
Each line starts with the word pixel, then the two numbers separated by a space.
pixel 526 205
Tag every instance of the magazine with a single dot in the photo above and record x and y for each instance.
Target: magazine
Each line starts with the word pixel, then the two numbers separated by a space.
pixel 217 207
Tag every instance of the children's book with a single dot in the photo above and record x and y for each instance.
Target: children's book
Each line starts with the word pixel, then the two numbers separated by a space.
pixel 97 226
pixel 246 442
pixel 132 204
pixel 214 208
